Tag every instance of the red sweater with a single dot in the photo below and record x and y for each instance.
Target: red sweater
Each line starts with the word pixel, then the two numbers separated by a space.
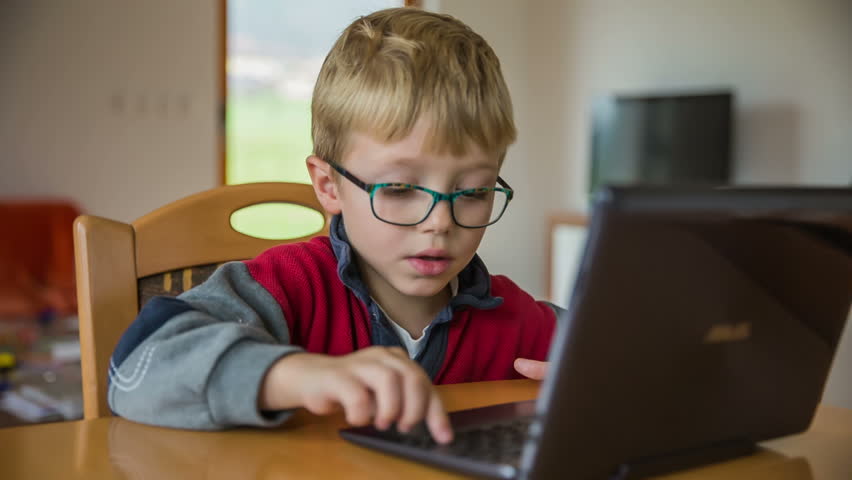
pixel 325 316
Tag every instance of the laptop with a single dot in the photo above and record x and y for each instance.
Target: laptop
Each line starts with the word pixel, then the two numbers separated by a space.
pixel 701 322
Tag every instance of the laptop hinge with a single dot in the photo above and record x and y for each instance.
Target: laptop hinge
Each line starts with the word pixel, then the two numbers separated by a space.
pixel 684 459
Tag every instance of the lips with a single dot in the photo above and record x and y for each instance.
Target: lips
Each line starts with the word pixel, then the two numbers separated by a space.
pixel 430 262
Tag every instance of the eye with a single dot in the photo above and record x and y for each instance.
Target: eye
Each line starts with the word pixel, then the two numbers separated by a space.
pixel 396 191
pixel 476 194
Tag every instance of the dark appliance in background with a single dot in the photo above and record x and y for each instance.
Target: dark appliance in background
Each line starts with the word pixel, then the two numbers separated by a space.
pixel 682 138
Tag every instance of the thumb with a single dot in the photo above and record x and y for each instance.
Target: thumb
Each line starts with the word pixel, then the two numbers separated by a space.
pixel 533 369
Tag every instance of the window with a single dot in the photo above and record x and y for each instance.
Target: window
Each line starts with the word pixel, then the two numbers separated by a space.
pixel 275 49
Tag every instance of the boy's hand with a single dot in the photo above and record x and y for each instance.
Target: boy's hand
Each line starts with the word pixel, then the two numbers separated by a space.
pixel 533 369
pixel 377 384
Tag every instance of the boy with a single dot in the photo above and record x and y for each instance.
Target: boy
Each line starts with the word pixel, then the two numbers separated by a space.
pixel 408 105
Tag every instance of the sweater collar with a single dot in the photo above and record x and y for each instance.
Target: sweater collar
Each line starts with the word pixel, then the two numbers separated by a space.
pixel 474 281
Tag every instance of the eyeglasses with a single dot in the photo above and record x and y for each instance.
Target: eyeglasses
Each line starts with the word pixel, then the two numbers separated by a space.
pixel 406 205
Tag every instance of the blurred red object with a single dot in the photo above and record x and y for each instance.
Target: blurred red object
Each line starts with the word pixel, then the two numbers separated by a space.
pixel 37 257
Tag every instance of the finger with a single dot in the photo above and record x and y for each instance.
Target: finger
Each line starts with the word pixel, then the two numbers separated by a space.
pixel 416 386
pixel 398 352
pixel 321 404
pixel 533 369
pixel 386 385
pixel 437 420
pixel 416 395
pixel 357 401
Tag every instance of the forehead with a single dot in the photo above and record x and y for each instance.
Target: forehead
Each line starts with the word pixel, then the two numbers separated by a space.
pixel 365 151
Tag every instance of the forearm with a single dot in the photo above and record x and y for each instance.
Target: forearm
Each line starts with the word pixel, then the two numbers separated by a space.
pixel 279 389
pixel 199 361
pixel 206 377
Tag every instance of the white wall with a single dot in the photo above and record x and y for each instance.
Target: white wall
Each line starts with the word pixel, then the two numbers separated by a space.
pixel 788 60
pixel 109 102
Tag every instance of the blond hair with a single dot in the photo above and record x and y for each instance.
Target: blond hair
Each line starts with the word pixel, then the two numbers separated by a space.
pixel 394 66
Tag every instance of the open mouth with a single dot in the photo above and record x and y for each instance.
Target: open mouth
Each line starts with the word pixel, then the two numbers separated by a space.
pixel 429 265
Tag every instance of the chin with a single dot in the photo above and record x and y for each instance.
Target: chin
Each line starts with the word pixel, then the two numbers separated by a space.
pixel 424 288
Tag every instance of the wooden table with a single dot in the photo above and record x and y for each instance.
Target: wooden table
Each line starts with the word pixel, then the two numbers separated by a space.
pixel 309 447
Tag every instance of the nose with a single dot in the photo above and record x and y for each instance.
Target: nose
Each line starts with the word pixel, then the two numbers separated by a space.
pixel 440 218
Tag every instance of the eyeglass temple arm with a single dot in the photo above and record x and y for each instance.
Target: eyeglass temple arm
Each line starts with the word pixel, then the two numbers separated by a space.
pixel 367 187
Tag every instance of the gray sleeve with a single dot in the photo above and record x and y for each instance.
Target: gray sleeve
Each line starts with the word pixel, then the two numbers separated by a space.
pixel 198 361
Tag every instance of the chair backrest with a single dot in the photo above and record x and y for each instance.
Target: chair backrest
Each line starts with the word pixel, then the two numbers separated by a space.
pixel 119 266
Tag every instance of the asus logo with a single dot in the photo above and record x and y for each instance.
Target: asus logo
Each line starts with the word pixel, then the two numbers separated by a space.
pixel 728 332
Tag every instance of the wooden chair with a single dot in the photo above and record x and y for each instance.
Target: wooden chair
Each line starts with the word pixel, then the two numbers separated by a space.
pixel 120 266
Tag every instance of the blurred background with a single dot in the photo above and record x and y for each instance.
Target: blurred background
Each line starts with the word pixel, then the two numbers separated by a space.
pixel 116 107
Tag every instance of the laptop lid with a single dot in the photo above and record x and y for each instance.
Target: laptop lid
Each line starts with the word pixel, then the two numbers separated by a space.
pixel 700 322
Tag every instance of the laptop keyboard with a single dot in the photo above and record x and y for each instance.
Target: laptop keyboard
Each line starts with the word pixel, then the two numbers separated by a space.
pixel 492 443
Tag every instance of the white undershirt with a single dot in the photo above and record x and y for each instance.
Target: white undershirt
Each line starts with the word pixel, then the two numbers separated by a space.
pixel 411 345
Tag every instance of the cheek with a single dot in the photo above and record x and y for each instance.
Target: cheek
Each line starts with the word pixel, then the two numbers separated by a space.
pixel 469 242
pixel 371 237
pixel 355 207
pixel 471 238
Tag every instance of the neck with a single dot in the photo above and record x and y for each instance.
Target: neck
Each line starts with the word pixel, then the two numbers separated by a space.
pixel 413 313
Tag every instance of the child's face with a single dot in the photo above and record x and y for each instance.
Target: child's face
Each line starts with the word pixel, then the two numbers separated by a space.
pixel 418 260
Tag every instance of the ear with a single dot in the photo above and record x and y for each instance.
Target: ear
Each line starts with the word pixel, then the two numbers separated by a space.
pixel 324 185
